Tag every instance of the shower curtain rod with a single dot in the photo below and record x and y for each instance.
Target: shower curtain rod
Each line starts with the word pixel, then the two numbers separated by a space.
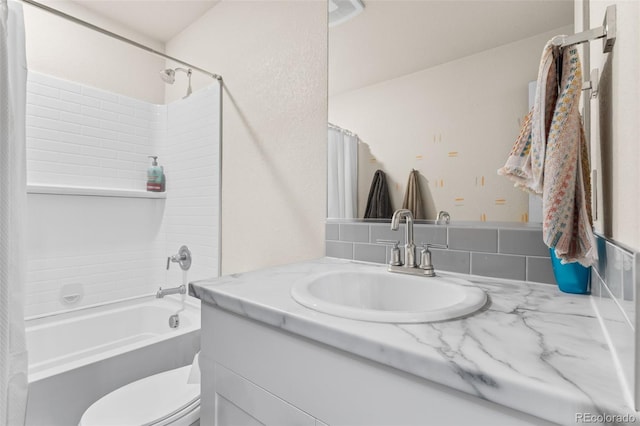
pixel 117 37
pixel 340 129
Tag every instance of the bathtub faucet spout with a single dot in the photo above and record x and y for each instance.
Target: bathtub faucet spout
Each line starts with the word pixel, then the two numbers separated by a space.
pixel 175 290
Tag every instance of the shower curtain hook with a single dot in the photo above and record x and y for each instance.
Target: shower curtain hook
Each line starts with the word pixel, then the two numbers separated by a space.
pixel 189 91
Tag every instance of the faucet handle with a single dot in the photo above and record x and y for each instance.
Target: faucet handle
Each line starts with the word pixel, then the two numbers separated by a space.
pixel 425 258
pixel 395 251
pixel 425 246
pixel 443 216
pixel 183 258
pixel 388 242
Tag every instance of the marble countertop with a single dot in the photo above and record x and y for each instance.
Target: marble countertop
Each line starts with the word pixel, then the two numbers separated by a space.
pixel 532 348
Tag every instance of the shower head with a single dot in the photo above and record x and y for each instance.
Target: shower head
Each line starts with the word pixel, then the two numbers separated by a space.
pixel 169 77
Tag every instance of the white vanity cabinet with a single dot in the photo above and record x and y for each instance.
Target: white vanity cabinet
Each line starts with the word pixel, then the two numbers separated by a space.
pixel 253 374
pixel 240 402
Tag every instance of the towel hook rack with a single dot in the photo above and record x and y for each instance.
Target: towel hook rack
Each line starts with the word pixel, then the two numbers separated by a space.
pixel 607 32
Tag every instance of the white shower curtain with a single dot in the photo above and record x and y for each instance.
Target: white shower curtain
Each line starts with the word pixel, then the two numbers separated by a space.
pixel 13 78
pixel 342 175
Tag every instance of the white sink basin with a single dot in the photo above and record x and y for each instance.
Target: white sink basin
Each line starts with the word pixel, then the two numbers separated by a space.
pixel 382 296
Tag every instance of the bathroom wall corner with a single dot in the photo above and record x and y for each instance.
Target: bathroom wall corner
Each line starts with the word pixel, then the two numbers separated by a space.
pixel 273 59
pixel 636 366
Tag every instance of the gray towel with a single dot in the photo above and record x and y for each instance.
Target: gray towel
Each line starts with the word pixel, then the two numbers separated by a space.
pixel 413 197
pixel 378 202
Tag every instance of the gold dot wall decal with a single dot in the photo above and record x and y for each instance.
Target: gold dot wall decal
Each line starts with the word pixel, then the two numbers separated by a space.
pixel 453 154
pixel 500 201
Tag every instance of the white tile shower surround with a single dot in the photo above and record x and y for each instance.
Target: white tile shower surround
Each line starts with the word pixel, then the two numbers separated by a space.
pixel 104 276
pixel 81 136
pixel 193 185
pixel 116 248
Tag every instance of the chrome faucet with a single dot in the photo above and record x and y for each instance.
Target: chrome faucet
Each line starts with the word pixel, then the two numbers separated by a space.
pixel 183 258
pixel 409 247
pixel 443 216
pixel 425 268
pixel 174 290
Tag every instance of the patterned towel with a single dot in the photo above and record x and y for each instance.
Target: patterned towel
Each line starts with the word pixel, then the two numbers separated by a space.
pixel 525 163
pixel 550 157
pixel 567 224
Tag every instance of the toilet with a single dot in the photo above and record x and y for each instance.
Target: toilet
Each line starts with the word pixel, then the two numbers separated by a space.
pixel 167 398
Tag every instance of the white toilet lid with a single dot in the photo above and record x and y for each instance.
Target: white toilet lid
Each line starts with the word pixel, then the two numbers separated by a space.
pixel 147 401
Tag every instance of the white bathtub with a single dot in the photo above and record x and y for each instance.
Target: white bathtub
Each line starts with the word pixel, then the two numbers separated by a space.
pixel 77 357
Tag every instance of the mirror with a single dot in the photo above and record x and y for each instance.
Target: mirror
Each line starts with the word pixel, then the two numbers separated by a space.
pixel 440 87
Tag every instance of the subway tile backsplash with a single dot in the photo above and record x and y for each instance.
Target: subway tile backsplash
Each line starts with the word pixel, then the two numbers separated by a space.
pixel 430 235
pixel 370 252
pixel 473 239
pixel 339 249
pixel 539 270
pixel 499 265
pixel 480 251
pixel 516 253
pixel 452 260
pixel 614 280
pixel 354 232
pixel 614 272
pixel 524 242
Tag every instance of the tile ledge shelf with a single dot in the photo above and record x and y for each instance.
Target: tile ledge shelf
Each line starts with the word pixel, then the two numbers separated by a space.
pixel 93 191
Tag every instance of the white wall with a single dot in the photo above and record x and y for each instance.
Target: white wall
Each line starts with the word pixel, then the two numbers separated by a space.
pixel 614 131
pixel 455 123
pixel 615 154
pixel 67 50
pixel 273 58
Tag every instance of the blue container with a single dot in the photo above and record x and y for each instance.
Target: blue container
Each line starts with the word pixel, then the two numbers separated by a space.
pixel 571 277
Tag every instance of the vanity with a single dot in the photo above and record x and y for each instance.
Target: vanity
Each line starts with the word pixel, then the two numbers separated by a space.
pixel 529 355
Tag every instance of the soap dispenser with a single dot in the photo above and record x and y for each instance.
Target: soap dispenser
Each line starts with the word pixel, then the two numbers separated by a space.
pixel 155 176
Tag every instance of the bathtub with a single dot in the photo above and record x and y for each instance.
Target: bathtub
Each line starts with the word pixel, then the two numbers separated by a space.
pixel 77 357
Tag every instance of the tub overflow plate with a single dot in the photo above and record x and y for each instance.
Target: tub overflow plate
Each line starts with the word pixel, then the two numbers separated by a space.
pixel 174 321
